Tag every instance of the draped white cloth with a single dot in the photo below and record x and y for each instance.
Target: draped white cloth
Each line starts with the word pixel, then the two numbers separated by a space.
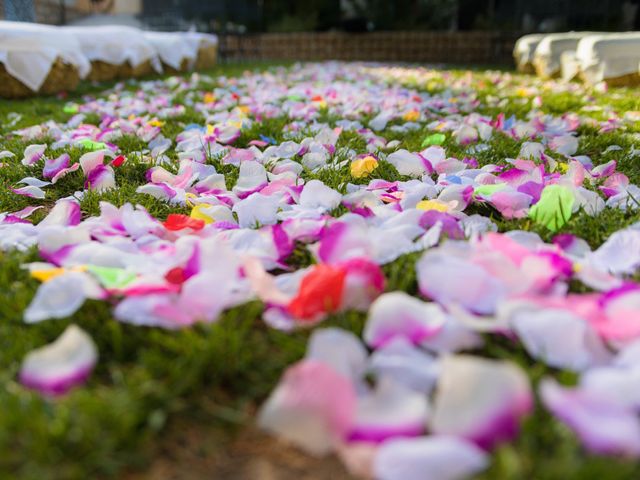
pixel 29 50
pixel 525 47
pixel 601 57
pixel 115 45
pixel 548 52
pixel 172 47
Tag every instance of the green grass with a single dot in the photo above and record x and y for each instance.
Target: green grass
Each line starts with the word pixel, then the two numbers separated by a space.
pixel 148 379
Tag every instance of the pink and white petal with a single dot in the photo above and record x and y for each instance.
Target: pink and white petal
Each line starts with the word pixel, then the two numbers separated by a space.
pixel 33 182
pixel 364 282
pixel 480 400
pixel 312 407
pixel 342 240
pixel 433 458
pixel 620 254
pixel 447 279
pixel 149 310
pixel 399 315
pixel 603 426
pixel 65 212
pixel 161 191
pixel 61 365
pixel 339 349
pixel 64 172
pixel 31 192
pixel 619 385
pixel 406 364
pixel 453 337
pixel 32 154
pixel 251 178
pixel 89 161
pixel 54 166
pixel 26 212
pixel 621 307
pixel 101 178
pixel 390 411
pixel 511 204
pixel 559 338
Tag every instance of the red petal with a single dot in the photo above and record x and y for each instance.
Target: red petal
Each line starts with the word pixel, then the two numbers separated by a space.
pixel 177 221
pixel 119 160
pixel 175 276
pixel 320 292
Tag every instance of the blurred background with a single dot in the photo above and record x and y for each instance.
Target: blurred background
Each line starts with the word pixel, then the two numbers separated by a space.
pixel 481 31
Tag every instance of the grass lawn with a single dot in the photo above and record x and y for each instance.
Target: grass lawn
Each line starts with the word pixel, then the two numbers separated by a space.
pixel 183 396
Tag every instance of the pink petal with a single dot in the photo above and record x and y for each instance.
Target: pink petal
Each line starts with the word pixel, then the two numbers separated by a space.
pixel 312 407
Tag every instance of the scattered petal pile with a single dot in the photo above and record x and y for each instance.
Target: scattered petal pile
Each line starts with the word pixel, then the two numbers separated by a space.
pixel 221 213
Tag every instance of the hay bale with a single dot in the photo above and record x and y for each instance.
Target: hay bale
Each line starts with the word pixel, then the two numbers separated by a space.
pixel 207 56
pixel 523 52
pixel 62 77
pixel 546 57
pixel 103 71
pixel 184 67
pixel 629 80
pixel 126 70
pixel 612 57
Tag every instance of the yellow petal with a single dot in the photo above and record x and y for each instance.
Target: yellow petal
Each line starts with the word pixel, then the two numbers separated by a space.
pixel 48 274
pixel 411 116
pixel 156 123
pixel 209 98
pixel 199 214
pixel 363 166
pixel 432 205
pixel 188 197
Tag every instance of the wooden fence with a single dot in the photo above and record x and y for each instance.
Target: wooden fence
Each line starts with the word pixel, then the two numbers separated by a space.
pixel 437 47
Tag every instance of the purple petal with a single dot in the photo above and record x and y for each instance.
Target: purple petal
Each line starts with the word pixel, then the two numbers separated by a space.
pixel 604 427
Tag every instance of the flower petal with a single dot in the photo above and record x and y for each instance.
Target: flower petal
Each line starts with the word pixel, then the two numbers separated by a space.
pixel 59 366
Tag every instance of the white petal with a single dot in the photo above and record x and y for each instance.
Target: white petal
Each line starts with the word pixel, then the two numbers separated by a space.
pixel 429 458
pixel 257 210
pixel 58 298
pixel 406 364
pixel 340 349
pixel 316 194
